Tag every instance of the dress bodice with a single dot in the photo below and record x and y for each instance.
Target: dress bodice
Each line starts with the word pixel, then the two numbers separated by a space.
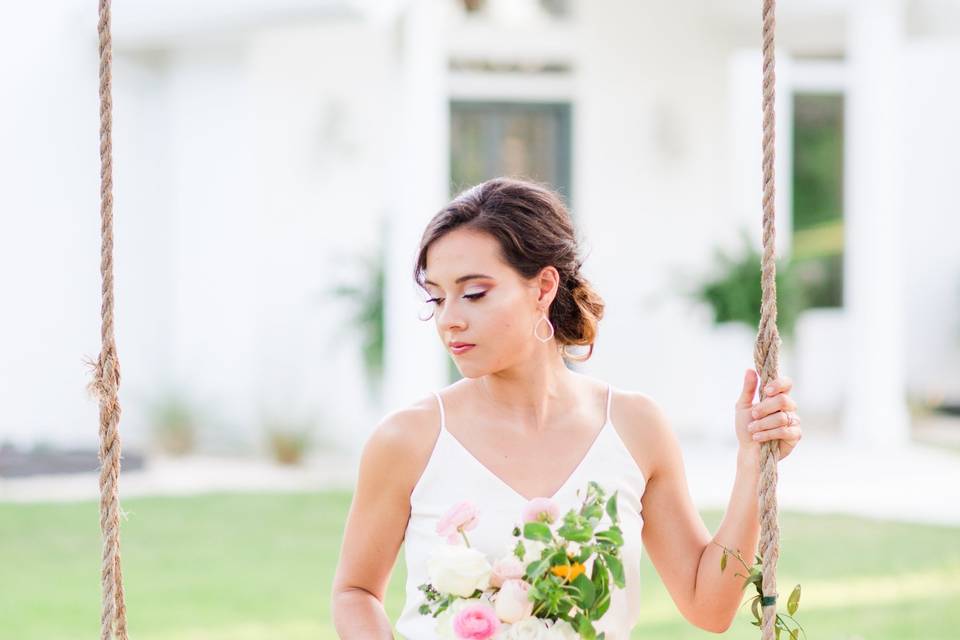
pixel 453 474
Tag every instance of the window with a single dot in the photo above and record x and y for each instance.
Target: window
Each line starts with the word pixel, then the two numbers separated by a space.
pixel 490 139
pixel 818 197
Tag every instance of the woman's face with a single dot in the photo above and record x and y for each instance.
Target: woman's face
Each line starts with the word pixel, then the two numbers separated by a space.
pixel 477 298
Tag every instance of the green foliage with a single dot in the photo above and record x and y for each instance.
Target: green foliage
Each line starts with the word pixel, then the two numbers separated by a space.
pixel 734 291
pixel 366 297
pixel 560 587
pixel 755 578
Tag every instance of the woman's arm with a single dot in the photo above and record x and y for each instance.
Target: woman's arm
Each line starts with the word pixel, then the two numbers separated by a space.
pixel 718 594
pixel 390 464
pixel 675 536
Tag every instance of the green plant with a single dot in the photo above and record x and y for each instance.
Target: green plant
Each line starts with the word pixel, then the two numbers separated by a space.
pixel 756 578
pixel 734 292
pixel 367 317
pixel 174 424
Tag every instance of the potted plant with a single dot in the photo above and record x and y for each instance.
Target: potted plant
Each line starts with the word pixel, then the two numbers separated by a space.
pixel 174 424
pixel 732 292
pixel 287 440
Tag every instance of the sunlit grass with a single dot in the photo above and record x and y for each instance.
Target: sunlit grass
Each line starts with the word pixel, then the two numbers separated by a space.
pixel 252 566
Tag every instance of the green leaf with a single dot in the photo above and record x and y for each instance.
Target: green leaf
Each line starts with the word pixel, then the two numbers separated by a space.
pixel 585 628
pixel 793 603
pixel 537 531
pixel 599 577
pixel 616 569
pixel 575 534
pixel 794 634
pixel 756 576
pixel 612 506
pixel 593 512
pixel 587 591
pixel 723 561
pixel 519 550
pixel 602 604
pixel 537 568
pixel 612 535
pixel 755 607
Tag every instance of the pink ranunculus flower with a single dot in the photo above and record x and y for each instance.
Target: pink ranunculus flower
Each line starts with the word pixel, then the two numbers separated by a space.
pixel 541 509
pixel 461 516
pixel 476 622
pixel 506 568
pixel 513 602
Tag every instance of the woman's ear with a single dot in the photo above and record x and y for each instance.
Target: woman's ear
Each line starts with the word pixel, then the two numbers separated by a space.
pixel 548 282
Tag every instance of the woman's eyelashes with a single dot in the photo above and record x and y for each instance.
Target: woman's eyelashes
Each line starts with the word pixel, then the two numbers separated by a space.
pixel 471 296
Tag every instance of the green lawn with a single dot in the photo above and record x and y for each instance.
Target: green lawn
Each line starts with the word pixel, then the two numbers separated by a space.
pixel 237 567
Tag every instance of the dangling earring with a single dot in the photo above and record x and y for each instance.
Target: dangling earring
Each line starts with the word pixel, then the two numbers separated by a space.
pixel 550 324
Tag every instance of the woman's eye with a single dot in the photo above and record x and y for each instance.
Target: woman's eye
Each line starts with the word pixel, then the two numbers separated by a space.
pixel 471 296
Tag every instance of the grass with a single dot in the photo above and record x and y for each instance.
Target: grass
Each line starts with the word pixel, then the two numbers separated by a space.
pixel 253 566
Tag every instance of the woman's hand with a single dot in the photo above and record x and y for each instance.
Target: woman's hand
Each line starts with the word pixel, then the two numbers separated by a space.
pixel 773 418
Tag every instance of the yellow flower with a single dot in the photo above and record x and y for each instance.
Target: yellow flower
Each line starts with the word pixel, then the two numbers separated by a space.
pixel 568 572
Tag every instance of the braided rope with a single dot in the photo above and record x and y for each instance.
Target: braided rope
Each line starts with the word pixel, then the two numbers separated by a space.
pixel 106 382
pixel 766 353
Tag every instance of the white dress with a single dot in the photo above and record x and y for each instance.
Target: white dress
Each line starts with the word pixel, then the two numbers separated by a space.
pixel 453 474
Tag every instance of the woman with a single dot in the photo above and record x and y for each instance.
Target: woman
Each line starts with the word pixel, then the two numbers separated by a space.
pixel 501 267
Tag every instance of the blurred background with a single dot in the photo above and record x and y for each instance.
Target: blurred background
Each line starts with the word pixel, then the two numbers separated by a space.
pixel 275 164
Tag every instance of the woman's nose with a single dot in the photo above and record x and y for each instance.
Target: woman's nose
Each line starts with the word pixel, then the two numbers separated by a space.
pixel 449 318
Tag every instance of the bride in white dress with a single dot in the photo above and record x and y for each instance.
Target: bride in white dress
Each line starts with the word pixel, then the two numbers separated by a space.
pixel 500 265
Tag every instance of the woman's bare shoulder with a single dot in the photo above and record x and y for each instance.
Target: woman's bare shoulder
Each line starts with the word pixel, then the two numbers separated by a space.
pixel 644 427
pixel 403 440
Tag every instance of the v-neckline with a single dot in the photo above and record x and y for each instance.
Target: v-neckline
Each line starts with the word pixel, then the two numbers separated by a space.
pixel 508 487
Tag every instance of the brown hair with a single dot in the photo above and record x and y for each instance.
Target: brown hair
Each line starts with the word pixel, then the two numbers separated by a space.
pixel 534 230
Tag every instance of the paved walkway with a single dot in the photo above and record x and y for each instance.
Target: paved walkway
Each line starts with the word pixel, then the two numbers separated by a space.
pixel 918 483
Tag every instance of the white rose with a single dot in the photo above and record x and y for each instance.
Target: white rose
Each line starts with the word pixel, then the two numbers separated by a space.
pixel 513 602
pixel 562 630
pixel 528 629
pixel 458 570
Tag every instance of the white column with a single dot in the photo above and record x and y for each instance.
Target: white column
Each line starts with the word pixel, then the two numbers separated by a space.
pixel 875 413
pixel 414 356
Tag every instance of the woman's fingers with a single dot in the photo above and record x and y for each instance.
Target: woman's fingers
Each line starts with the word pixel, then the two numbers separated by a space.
pixel 780 402
pixel 778 419
pixel 779 433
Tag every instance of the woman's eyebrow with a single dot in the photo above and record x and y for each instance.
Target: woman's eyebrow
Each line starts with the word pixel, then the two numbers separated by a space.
pixel 469 276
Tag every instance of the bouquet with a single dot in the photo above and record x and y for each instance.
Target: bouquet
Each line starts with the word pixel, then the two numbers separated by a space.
pixel 555 583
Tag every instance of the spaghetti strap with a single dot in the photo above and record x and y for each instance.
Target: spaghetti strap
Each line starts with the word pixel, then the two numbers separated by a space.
pixel 443 418
pixel 609 399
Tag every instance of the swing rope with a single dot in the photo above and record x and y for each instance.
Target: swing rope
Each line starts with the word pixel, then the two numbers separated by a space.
pixel 766 352
pixel 106 382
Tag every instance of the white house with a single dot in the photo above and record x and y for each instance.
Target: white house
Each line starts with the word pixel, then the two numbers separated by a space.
pixel 261 146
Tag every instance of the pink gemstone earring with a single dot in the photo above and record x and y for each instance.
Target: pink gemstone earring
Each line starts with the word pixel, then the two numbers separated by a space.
pixel 550 324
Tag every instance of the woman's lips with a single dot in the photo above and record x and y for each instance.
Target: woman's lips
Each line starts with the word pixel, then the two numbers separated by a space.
pixel 461 349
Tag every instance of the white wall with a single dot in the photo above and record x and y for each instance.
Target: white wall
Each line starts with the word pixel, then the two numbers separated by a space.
pixel 932 259
pixel 49 216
